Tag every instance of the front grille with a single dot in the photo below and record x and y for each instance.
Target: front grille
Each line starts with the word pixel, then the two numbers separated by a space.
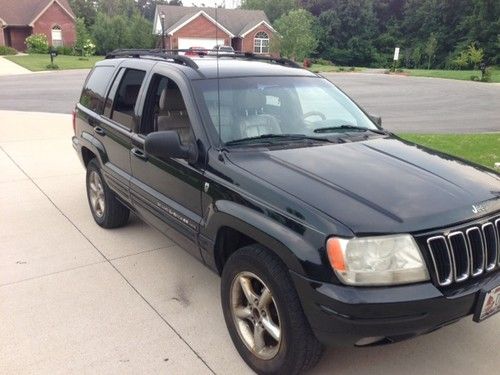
pixel 465 253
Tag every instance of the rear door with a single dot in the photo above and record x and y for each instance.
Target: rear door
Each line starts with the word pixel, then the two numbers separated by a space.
pixel 114 127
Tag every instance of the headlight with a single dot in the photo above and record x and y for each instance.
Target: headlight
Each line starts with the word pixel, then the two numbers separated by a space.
pixel 382 260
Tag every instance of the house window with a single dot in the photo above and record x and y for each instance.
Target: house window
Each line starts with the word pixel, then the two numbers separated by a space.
pixel 57 40
pixel 261 42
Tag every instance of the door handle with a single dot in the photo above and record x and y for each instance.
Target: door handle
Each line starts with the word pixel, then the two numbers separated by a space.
pixel 99 130
pixel 139 153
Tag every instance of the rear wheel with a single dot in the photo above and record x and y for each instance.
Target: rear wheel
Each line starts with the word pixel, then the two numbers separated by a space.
pixel 107 211
pixel 264 316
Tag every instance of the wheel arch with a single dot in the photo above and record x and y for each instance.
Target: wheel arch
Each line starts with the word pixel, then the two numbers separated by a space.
pixel 92 148
pixel 232 226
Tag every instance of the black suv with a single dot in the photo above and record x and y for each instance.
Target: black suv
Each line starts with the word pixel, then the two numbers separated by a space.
pixel 325 228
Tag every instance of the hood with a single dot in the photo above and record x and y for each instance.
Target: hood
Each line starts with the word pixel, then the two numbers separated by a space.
pixel 382 185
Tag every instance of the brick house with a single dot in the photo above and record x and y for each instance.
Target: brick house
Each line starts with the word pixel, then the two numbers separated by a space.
pixel 184 27
pixel 21 18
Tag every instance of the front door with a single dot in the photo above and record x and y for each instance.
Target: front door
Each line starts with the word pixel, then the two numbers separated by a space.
pixel 167 193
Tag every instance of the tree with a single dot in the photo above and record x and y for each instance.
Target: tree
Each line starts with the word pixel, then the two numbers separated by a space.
pixel 82 35
pixel 346 32
pixel 140 32
pixel 316 7
pixel 475 54
pixel 416 57
pixel 147 7
pixel 296 38
pixel 431 48
pixel 274 9
pixel 85 9
pixel 121 31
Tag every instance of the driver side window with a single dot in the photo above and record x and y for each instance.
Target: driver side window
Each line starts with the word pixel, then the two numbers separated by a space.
pixel 165 109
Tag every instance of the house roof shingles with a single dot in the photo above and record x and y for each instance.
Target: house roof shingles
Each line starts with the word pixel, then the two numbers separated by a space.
pixel 24 12
pixel 237 21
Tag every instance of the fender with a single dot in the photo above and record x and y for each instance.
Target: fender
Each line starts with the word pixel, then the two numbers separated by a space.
pixel 90 142
pixel 300 255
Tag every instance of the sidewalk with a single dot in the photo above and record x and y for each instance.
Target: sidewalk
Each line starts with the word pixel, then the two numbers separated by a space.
pixel 8 68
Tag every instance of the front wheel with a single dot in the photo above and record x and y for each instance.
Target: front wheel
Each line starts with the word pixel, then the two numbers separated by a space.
pixel 264 316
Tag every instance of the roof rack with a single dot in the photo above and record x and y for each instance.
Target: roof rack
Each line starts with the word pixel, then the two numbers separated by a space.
pixel 171 54
pixel 158 53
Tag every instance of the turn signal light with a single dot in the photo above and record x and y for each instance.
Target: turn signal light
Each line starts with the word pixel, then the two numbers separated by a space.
pixel 335 254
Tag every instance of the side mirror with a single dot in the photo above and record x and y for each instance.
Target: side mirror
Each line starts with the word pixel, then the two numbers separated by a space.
pixel 167 144
pixel 376 119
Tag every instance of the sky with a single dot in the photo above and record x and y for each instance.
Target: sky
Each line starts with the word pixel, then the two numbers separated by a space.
pixel 211 3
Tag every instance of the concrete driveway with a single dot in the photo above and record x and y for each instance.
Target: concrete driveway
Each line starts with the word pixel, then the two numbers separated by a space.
pixel 407 104
pixel 75 298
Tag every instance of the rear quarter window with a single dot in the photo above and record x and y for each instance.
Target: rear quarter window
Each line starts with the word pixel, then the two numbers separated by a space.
pixel 94 92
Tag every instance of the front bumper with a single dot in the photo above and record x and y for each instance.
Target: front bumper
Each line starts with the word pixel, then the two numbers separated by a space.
pixel 345 316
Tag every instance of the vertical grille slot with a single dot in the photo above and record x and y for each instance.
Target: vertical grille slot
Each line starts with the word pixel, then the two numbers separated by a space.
pixel 497 227
pixel 460 254
pixel 490 245
pixel 476 248
pixel 441 259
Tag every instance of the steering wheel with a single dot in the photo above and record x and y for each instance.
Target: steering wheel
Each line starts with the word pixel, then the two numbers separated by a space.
pixel 314 113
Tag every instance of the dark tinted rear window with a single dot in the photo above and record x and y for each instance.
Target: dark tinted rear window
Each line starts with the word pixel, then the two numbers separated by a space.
pixel 94 92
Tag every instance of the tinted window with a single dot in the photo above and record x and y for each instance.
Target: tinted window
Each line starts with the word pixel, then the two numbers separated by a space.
pixel 126 97
pixel 95 89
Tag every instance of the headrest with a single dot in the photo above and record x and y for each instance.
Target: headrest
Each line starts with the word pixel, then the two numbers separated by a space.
pixel 171 100
pixel 131 93
pixel 252 99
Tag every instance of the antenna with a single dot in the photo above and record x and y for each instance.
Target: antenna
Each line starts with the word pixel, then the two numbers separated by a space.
pixel 218 76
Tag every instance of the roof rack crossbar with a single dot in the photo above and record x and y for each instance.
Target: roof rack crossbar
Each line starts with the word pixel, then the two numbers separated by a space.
pixel 247 55
pixel 158 53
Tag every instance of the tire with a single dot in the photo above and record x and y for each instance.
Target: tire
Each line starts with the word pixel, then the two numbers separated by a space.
pixel 114 214
pixel 297 349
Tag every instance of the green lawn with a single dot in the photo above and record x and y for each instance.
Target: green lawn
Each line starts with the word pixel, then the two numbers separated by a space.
pixel 483 149
pixel 37 63
pixel 452 74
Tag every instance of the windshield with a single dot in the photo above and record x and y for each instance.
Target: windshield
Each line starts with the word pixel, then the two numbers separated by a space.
pixel 253 107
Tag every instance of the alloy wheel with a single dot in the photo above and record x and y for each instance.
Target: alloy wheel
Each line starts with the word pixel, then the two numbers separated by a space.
pixel 96 194
pixel 256 315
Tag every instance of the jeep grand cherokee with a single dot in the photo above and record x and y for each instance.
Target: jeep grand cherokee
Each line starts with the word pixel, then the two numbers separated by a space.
pixel 325 228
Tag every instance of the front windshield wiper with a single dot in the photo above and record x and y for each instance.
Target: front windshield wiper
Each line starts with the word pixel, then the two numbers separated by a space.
pixel 333 129
pixel 279 137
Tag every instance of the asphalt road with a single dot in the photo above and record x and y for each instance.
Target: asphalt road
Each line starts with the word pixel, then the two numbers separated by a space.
pixel 406 104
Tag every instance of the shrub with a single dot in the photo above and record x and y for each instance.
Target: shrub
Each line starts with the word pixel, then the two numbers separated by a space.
pixel 37 43
pixel 52 66
pixel 4 50
pixel 88 48
pixel 321 61
pixel 486 76
pixel 62 50
pixel 474 78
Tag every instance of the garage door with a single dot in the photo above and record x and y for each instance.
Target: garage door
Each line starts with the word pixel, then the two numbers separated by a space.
pixel 208 43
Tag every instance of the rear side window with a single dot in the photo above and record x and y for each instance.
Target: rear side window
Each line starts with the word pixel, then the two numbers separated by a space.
pixel 126 97
pixel 94 92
